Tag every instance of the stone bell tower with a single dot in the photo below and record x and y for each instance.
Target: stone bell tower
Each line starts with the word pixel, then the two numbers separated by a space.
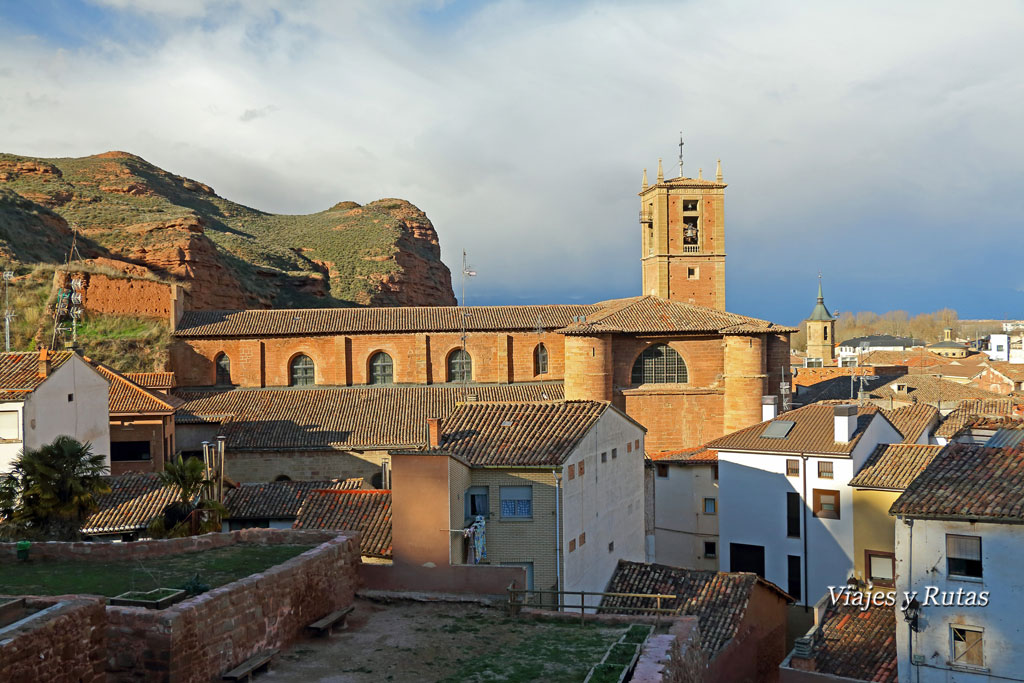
pixel 821 332
pixel 682 224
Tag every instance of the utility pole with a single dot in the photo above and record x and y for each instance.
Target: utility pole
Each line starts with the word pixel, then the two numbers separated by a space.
pixel 8 276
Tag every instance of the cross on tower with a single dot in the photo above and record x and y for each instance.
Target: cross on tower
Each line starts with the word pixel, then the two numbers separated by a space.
pixel 680 154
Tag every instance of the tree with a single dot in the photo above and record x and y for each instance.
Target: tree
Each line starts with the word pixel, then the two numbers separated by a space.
pixel 51 491
pixel 189 478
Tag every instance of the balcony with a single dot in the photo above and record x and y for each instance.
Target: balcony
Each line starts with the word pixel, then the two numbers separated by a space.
pixel 646 218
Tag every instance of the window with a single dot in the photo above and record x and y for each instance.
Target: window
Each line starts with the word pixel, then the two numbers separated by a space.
pixel 714 471
pixel 71 397
pixel 880 567
pixel 963 556
pixel 848 362
pixel 662 470
pixel 689 205
pixel 825 331
pixel 824 469
pixel 460 366
pixel 792 467
pixel 710 550
pixel 636 444
pixel 583 539
pixel 690 231
pixel 604 457
pixel 516 502
pixel 710 506
pixel 615 453
pixel 572 472
pixel 966 646
pixel 629 447
pixel 793 515
pixel 826 504
pixel 611 547
pixel 793 576
pixel 572 545
pixel 302 371
pixel 282 477
pixel 581 468
pixel 812 363
pixel 9 424
pixel 692 273
pixel 223 367
pixel 477 502
pixel 121 451
pixel 540 360
pixel 381 369
pixel 659 364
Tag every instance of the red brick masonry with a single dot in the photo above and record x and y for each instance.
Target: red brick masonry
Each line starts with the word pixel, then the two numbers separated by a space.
pixel 66 644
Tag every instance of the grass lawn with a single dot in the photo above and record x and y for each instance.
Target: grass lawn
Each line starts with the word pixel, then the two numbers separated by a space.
pixel 214 567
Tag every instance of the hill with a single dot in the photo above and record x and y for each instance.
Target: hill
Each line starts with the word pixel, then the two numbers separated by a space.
pixel 137 220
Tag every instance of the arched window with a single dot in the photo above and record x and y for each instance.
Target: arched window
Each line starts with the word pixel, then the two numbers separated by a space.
pixel 223 365
pixel 282 477
pixel 540 360
pixel 659 364
pixel 460 366
pixel 301 371
pixel 381 368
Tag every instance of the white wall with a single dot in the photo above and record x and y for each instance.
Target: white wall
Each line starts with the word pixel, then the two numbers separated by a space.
pixel 1002 548
pixel 681 527
pixel 998 347
pixel 48 412
pixel 606 503
pixel 10 448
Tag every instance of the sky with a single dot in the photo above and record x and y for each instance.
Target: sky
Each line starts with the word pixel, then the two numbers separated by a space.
pixel 878 142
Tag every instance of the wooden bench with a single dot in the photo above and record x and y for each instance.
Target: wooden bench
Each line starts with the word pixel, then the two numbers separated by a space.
pixel 327 623
pixel 248 667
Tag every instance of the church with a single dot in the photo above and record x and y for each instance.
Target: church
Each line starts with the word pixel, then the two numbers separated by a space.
pixel 325 393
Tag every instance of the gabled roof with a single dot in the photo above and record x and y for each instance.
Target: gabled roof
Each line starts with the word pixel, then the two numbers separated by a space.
pixel 365 511
pixel 928 389
pixel 968 482
pixel 129 397
pixel 912 421
pixel 152 380
pixel 894 466
pixel 984 414
pixel 840 388
pixel 519 434
pixel 857 645
pixel 718 599
pixel 637 314
pixel 134 501
pixel 19 372
pixel 340 418
pixel 813 431
pixel 1012 371
pixel 277 499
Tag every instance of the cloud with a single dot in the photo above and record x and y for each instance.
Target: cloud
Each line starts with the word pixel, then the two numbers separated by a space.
pixel 880 143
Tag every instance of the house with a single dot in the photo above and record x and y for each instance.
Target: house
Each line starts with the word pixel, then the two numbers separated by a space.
pixel 1000 377
pixel 141 424
pixel 958 549
pixel 46 394
pixel 367 511
pixel 785 503
pixel 684 501
pixel 742 617
pixel 124 514
pixel 275 504
pixel 975 421
pixel 940 393
pixel 878 342
pixel 559 486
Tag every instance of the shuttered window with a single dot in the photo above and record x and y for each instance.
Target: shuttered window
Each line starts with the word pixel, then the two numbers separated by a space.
pixel 963 556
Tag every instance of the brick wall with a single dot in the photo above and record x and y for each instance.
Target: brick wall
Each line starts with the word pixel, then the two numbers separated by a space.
pixel 745 380
pixel 139 430
pixel 303 465
pixel 123 296
pixel 65 644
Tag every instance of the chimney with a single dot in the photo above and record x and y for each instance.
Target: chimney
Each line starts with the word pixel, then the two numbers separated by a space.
pixel 44 363
pixel 769 407
pixel 434 432
pixel 845 422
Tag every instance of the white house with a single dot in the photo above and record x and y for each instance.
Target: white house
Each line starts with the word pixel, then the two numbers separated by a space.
pixel 959 546
pixel 685 506
pixel 785 504
pixel 47 394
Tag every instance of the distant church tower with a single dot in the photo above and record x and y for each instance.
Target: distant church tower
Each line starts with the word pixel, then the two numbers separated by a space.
pixel 821 332
pixel 682 222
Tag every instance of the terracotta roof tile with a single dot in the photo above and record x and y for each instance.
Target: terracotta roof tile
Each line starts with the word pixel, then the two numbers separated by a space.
pixel 277 499
pixel 19 372
pixel 813 431
pixel 128 397
pixel 912 421
pixel 152 380
pixel 968 481
pixel 518 434
pixel 367 511
pixel 718 599
pixel 857 645
pixel 991 412
pixel 349 417
pixel 134 501
pixel 894 466
pixel 698 455
pixel 928 389
pixel 651 314
pixel 1012 371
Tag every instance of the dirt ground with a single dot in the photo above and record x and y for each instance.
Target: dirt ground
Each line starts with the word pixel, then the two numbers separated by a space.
pixel 427 641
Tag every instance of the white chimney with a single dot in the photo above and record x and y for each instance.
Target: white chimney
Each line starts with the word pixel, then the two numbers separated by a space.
pixel 769 407
pixel 845 422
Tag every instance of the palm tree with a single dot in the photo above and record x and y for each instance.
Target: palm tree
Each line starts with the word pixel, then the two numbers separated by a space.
pixel 52 490
pixel 188 477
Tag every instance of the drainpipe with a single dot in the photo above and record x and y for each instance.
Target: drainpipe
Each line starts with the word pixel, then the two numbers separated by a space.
pixel 557 474
pixel 910 589
pixel 803 482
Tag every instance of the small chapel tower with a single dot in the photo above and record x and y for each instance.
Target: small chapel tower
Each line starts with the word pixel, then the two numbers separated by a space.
pixel 821 332
pixel 683 237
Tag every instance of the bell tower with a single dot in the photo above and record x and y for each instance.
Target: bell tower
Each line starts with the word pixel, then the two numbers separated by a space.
pixel 682 225
pixel 821 332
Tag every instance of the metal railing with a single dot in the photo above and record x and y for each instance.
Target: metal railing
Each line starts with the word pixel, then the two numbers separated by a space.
pixel 520 597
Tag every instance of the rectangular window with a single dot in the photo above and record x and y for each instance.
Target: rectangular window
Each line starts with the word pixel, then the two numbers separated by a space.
pixel 710 550
pixel 71 397
pixel 812 363
pixel 662 470
pixel 572 545
pixel 604 457
pixel 636 444
pixel 793 515
pixel 880 567
pixel 714 471
pixel 572 472
pixel 963 556
pixel 581 469
pixel 710 506
pixel 848 362
pixel 611 547
pixel 793 577
pixel 629 447
pixel 967 646
pixel 477 503
pixel 583 539
pixel 516 502
pixel 122 451
pixel 792 468
pixel 691 274
pixel 689 205
pixel 9 425
pixel 615 453
pixel 825 469
pixel 826 504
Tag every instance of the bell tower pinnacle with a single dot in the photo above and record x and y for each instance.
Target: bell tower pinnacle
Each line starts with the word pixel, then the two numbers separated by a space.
pixel 821 331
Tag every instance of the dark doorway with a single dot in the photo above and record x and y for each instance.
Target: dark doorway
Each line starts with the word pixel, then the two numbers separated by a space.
pixel 746 558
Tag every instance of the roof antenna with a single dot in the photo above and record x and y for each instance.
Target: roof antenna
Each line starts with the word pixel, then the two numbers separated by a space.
pixel 680 154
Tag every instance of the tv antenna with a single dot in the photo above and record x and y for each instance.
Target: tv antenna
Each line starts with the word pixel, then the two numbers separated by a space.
pixel 68 309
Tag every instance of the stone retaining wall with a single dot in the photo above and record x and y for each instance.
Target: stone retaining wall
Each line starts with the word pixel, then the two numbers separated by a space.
pixel 64 644
pixel 673 657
